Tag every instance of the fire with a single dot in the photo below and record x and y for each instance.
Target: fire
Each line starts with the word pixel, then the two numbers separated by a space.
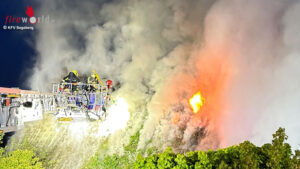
pixel 196 102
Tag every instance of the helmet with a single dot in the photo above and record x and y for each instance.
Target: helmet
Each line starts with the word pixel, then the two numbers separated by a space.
pixel 93 74
pixel 109 82
pixel 75 72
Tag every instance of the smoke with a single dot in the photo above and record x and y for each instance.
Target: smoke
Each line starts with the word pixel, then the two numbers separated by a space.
pixel 71 144
pixel 60 145
pixel 241 55
pixel 263 89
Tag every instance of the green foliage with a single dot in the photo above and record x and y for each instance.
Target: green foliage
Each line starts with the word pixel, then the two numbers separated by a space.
pixel 132 146
pixel 93 162
pixel 183 162
pixel 228 156
pixel 203 161
pixel 279 152
pixel 150 162
pixel 115 161
pixel 296 159
pixel 244 156
pixel 166 159
pixel 223 165
pixel 40 153
pixel 249 156
pixel 140 162
pixel 20 159
pixel 151 150
pixel 108 162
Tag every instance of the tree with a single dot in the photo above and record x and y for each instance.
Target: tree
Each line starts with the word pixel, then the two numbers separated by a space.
pixel 140 162
pixel 246 155
pixel 192 156
pixel 264 157
pixel 249 156
pixel 280 152
pixel 224 165
pixel 203 161
pixel 228 156
pixel 166 159
pixel 151 162
pixel 183 162
pixel 296 159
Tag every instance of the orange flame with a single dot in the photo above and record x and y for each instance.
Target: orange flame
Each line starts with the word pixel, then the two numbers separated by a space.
pixel 196 102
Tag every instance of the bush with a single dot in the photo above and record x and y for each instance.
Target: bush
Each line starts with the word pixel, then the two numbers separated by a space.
pixel 20 159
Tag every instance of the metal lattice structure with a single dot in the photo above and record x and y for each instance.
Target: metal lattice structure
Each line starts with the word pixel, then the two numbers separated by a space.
pixel 67 102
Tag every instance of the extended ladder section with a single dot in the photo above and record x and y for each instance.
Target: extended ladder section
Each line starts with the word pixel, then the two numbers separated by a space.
pixel 67 102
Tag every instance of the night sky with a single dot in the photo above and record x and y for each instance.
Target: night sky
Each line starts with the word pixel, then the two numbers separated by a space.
pixel 17 47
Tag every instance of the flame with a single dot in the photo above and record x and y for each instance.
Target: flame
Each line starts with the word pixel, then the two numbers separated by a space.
pixel 196 102
pixel 29 11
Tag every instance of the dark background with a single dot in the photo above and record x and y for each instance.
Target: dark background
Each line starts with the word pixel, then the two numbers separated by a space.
pixel 17 47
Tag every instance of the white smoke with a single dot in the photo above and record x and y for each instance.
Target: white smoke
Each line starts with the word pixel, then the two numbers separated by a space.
pixel 161 51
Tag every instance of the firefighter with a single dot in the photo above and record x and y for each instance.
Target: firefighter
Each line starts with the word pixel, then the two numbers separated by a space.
pixel 72 77
pixel 109 87
pixel 109 84
pixel 93 82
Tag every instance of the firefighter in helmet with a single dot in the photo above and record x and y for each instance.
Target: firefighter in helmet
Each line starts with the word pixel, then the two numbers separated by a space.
pixel 72 79
pixel 93 82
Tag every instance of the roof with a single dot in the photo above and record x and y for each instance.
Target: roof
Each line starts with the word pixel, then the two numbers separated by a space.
pixel 10 90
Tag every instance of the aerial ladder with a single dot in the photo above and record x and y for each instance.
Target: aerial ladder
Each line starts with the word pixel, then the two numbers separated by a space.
pixel 87 102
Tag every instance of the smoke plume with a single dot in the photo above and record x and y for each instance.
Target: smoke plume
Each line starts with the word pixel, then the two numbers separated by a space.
pixel 242 55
